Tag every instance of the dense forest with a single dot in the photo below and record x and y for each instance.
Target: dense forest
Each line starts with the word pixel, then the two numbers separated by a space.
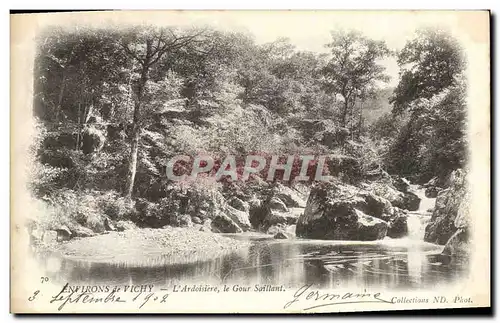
pixel 114 106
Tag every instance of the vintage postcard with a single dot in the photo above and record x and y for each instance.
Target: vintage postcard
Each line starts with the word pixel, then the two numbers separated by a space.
pixel 249 161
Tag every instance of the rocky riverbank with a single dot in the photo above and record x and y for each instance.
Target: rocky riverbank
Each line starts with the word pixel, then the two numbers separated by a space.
pixel 450 222
pixel 180 223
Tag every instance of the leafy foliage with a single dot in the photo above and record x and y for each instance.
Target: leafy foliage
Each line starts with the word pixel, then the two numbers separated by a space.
pixel 114 106
pixel 428 125
pixel 429 64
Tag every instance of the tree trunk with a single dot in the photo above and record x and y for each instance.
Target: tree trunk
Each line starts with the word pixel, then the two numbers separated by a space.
pixel 136 133
pixel 79 131
pixel 344 115
pixel 360 121
pixel 132 168
pixel 61 94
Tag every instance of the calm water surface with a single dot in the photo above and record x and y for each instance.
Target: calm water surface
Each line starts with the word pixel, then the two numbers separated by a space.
pixel 398 263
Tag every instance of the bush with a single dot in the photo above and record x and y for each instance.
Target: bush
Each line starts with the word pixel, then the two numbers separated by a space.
pixel 85 208
pixel 115 206
pixel 149 214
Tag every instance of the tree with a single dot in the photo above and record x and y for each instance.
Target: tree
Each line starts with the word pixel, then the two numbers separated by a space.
pixel 354 68
pixel 429 63
pixel 147 46
pixel 430 96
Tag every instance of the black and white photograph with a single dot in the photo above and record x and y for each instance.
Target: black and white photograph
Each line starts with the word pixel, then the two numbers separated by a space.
pixel 250 161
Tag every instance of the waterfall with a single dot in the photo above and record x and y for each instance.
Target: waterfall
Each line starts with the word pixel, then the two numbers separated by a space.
pixel 417 220
pixel 416 226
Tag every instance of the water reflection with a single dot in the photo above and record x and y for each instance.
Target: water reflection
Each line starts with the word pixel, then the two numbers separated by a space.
pixel 391 263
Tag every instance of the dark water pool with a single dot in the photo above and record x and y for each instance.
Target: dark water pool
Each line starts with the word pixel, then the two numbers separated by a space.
pixel 391 263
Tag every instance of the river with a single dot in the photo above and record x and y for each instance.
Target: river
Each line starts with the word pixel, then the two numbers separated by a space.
pixel 403 263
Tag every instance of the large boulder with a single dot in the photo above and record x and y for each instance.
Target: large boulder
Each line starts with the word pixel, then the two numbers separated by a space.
pixel 224 224
pixel 93 140
pixel 241 218
pixel 108 225
pixel 277 205
pixel 196 220
pixel 289 196
pixel 275 217
pixel 239 204
pixel 401 184
pixel 411 202
pixel 432 191
pixel 273 211
pixel 328 216
pixel 81 232
pixel 458 245
pixel 63 233
pixel 370 228
pixel 451 211
pixel 398 226
pixel 403 200
pixel 377 174
pixel 373 205
pixel 400 197
pixel 125 225
pixel 183 220
pixel 432 182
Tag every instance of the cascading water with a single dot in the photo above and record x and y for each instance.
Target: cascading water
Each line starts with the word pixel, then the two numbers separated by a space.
pixel 417 220
pixel 416 226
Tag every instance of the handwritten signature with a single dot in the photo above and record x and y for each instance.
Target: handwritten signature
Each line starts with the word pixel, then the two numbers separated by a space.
pixel 316 299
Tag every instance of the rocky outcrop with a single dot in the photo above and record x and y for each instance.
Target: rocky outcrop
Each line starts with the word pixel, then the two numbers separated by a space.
pixel 239 204
pixel 196 220
pixel 408 201
pixel 290 197
pixel 450 221
pixel 93 140
pixel 401 184
pixel 288 218
pixel 331 215
pixel 458 245
pixel 125 225
pixel 432 187
pixel 403 200
pixel 373 205
pixel 81 232
pixel 277 205
pixel 398 225
pixel 265 215
pixel 432 191
pixel 240 218
pixel 377 174
pixel 223 224
pixel 370 228
pixel 185 208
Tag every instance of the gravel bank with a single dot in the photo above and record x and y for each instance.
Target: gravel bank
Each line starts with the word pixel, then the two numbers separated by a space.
pixel 150 247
